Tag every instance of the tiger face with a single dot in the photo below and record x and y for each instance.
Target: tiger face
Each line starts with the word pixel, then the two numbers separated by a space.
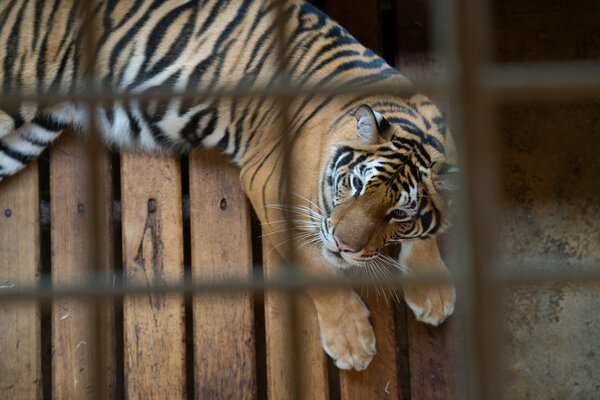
pixel 382 187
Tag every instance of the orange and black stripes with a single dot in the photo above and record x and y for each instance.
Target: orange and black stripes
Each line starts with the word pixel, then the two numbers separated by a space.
pixel 143 45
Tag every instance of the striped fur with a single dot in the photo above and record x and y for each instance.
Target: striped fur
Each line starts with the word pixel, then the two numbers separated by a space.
pixel 397 158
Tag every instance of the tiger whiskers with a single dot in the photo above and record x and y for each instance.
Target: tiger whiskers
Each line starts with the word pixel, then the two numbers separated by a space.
pixel 299 225
pixel 381 269
pixel 395 264
pixel 311 203
pixel 298 210
pixel 300 240
pixel 367 272
pixel 317 213
pixel 304 226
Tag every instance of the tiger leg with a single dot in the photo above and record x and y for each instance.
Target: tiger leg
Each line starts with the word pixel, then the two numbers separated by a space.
pixel 431 303
pixel 345 331
pixel 21 146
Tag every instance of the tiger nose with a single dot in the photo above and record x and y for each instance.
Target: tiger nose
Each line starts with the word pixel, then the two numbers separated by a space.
pixel 343 246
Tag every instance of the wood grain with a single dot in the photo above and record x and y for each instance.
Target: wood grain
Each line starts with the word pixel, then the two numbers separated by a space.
pixel 432 355
pixel 380 379
pixel 20 366
pixel 73 364
pixel 224 356
pixel 154 326
pixel 312 363
pixel 433 351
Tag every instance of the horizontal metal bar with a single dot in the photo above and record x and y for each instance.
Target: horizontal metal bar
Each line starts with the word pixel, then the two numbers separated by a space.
pixel 519 81
pixel 541 81
pixel 92 95
pixel 97 286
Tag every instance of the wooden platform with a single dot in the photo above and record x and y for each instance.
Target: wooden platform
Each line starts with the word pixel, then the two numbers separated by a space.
pixel 218 345
pixel 174 213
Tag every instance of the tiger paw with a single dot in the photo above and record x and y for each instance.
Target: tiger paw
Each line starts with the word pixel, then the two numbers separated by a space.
pixel 431 303
pixel 348 337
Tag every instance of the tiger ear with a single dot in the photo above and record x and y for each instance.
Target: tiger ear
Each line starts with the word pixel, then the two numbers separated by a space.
pixel 370 125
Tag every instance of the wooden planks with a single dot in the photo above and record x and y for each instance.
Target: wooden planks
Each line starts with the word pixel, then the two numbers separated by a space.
pixel 154 326
pixel 432 352
pixel 380 379
pixel 20 364
pixel 73 365
pixel 224 356
pixel 312 365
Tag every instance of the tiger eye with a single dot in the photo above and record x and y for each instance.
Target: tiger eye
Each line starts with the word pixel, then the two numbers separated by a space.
pixel 398 214
pixel 357 183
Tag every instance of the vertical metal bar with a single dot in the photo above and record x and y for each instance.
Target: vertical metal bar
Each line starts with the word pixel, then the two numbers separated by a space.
pixel 481 183
pixel 461 34
pixel 290 269
pixel 95 187
pixel 445 37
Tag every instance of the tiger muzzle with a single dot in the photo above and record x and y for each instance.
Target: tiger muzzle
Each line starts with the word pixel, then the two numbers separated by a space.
pixel 353 228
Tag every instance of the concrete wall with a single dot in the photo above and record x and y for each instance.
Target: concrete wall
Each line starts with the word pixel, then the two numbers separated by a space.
pixel 550 166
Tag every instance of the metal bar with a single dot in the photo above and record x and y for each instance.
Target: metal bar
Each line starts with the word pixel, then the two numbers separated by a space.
pixel 445 42
pixel 95 186
pixel 285 88
pixel 474 45
pixel 546 81
pixel 98 286
pixel 507 80
pixel 290 297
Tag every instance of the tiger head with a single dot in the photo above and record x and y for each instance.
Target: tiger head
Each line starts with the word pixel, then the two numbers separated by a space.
pixel 387 182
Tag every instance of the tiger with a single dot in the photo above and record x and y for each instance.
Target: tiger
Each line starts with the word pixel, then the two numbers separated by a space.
pixel 365 170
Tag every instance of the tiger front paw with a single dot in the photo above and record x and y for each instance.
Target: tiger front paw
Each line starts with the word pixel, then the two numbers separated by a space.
pixel 348 337
pixel 431 303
